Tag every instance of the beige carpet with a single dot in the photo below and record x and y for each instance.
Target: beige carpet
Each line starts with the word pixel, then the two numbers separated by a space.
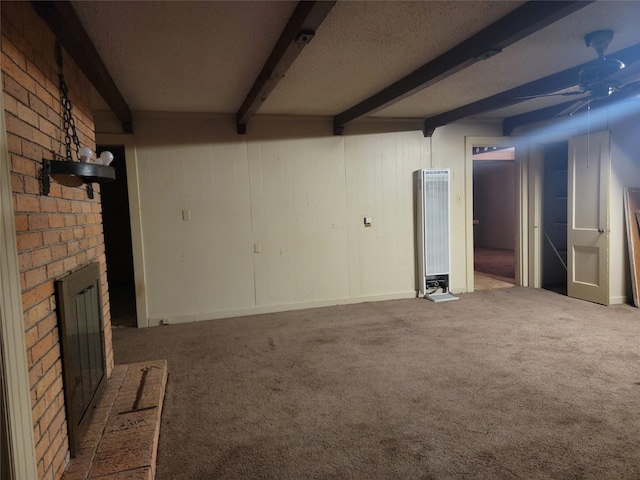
pixel 483 281
pixel 504 384
pixel 495 262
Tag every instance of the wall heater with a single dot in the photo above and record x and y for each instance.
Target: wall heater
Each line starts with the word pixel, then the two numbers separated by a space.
pixel 434 252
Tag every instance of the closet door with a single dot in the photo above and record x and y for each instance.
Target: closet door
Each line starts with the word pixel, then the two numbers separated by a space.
pixel 588 217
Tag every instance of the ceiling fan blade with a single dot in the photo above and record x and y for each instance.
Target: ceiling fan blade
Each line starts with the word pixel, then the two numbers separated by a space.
pixel 629 87
pixel 628 90
pixel 631 70
pixel 573 109
pixel 565 92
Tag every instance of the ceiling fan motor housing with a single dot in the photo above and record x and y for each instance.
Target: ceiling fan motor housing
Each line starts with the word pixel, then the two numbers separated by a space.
pixel 595 77
pixel 598 72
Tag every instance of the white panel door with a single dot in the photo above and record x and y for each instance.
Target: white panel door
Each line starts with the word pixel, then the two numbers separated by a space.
pixel 588 217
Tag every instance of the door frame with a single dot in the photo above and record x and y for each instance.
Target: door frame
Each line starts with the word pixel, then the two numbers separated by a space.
pixel 560 131
pixel 535 146
pixel 14 369
pixel 128 141
pixel 521 234
pixel 536 218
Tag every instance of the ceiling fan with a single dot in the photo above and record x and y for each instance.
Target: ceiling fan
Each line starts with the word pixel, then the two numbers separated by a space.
pixel 597 79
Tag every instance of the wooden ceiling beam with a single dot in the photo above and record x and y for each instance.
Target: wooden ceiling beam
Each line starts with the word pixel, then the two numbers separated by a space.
pixel 65 24
pixel 511 123
pixel 297 33
pixel 520 23
pixel 552 83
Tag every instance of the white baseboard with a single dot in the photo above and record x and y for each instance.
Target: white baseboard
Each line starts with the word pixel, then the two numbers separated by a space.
pixel 618 300
pixel 154 322
pixel 457 290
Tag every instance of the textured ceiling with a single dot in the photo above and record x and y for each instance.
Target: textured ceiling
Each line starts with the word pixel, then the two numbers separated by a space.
pixel 555 48
pixel 184 56
pixel 362 47
pixel 204 56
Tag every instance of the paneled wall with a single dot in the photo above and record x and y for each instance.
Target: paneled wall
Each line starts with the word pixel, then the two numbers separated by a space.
pixel 205 264
pixel 298 214
pixel 275 219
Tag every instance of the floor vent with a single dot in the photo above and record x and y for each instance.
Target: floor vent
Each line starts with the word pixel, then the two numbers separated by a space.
pixel 82 342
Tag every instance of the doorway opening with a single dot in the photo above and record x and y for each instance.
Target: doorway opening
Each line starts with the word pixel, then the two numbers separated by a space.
pixel 494 216
pixel 554 217
pixel 117 238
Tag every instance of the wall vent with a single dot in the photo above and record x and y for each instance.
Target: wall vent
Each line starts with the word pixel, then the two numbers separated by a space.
pixel 433 232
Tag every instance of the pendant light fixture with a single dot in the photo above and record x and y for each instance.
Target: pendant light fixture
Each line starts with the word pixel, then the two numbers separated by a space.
pixel 82 169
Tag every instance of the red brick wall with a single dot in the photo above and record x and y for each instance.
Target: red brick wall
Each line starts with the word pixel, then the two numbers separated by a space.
pixel 55 234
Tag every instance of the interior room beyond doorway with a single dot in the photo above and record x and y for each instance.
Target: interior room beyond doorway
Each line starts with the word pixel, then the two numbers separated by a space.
pixel 118 245
pixel 494 217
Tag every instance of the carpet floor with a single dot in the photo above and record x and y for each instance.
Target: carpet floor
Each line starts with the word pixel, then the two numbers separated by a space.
pixel 495 262
pixel 505 384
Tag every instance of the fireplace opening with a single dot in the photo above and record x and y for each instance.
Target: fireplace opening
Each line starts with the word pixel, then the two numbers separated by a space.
pixel 80 323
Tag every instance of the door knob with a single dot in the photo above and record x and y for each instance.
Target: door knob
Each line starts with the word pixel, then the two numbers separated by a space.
pixel 601 230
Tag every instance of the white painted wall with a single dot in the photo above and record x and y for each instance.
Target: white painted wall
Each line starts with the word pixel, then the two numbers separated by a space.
pixel 625 172
pixel 292 189
pixel 205 264
pixel 301 194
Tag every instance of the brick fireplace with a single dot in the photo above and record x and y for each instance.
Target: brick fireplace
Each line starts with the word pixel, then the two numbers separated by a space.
pixel 56 235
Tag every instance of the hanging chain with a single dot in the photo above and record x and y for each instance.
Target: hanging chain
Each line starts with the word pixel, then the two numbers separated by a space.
pixel 68 122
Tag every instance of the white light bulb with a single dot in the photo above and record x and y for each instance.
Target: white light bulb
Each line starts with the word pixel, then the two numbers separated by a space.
pixel 106 157
pixel 85 154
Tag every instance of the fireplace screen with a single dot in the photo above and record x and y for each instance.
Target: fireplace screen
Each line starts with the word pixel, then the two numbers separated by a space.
pixel 82 343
